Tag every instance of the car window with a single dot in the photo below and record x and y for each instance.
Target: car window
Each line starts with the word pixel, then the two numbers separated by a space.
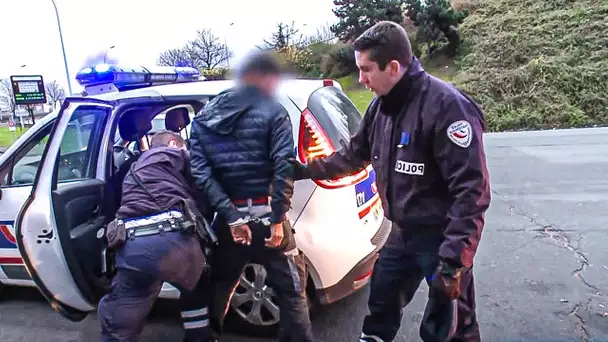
pixel 80 144
pixel 336 113
pixel 158 124
pixel 22 168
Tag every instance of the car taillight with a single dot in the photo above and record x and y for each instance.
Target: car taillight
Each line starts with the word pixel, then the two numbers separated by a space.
pixel 328 83
pixel 314 143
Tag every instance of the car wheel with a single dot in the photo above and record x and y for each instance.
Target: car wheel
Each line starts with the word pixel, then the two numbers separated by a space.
pixel 254 308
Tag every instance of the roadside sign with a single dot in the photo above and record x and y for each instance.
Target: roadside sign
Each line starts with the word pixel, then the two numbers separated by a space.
pixel 11 126
pixel 28 89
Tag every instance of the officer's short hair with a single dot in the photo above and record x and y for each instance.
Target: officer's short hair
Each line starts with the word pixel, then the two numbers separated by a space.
pixel 385 41
pixel 163 138
pixel 261 62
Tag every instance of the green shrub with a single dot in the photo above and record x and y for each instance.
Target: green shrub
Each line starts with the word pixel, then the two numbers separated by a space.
pixel 339 61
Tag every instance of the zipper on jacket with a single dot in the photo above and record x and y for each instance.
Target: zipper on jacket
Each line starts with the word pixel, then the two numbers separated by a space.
pixel 389 168
pixel 396 124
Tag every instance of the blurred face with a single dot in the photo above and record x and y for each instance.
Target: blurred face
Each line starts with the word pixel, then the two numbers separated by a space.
pixel 269 83
pixel 374 79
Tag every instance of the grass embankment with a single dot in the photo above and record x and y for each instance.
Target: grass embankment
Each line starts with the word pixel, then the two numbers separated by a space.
pixel 7 137
pixel 537 64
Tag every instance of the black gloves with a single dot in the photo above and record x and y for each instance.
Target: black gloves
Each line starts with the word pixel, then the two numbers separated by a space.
pixel 300 170
pixel 446 280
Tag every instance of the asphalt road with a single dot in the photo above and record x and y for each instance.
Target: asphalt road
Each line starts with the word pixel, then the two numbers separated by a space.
pixel 542 267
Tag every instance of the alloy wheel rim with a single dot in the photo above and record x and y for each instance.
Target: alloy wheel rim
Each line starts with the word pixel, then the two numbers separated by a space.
pixel 253 300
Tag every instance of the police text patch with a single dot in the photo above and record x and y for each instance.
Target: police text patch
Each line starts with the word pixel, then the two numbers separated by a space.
pixel 460 133
pixel 409 168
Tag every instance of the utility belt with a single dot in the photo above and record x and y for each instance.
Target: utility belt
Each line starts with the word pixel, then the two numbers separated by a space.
pixel 155 224
pixel 119 230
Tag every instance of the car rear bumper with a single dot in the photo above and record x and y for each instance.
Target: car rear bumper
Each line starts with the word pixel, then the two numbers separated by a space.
pixel 359 275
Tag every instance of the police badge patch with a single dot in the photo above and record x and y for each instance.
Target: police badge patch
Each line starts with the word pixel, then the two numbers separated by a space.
pixel 460 133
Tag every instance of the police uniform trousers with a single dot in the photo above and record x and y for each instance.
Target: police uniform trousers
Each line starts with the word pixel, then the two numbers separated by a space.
pixel 286 275
pixel 408 257
pixel 143 263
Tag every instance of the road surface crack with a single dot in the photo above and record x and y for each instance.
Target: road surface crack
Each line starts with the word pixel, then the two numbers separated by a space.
pixel 559 236
pixel 580 322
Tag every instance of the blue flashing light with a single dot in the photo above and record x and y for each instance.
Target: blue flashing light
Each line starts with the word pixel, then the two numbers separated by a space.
pixel 138 77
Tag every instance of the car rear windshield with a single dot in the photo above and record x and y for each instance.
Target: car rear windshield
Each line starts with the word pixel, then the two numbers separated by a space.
pixel 336 113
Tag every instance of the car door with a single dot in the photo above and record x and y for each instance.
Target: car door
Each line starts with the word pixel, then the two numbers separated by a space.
pixel 60 228
pixel 17 173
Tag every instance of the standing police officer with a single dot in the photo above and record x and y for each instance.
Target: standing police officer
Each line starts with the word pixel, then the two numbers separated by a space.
pixel 240 145
pixel 424 139
pixel 153 245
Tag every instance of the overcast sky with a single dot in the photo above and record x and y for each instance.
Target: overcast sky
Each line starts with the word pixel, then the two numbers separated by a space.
pixel 139 29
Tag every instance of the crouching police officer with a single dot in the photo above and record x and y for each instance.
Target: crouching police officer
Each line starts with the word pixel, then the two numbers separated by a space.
pixel 158 236
pixel 424 139
pixel 240 146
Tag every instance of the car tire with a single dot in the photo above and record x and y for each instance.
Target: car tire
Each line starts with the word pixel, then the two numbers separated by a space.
pixel 253 309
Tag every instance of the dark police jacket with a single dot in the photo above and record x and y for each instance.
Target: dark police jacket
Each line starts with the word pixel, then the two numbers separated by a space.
pixel 165 173
pixel 424 140
pixel 240 145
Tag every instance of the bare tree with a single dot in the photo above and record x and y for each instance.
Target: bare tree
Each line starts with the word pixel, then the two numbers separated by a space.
pixel 55 94
pixel 206 51
pixel 322 35
pixel 7 99
pixel 284 36
pixel 209 50
pixel 174 57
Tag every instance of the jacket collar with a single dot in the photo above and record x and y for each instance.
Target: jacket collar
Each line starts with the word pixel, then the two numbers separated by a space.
pixel 398 96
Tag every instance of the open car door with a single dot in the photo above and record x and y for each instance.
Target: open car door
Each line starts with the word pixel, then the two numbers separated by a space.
pixel 60 230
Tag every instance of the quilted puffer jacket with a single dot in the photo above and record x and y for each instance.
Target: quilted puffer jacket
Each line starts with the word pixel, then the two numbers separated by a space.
pixel 240 143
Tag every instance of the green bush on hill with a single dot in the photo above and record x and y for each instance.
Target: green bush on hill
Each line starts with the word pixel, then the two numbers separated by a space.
pixel 537 64
pixel 339 61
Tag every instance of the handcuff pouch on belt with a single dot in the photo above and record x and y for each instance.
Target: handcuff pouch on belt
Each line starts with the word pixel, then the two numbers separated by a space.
pixel 116 234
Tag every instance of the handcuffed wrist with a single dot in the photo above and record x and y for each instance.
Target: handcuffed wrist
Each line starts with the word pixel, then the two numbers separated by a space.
pixel 238 222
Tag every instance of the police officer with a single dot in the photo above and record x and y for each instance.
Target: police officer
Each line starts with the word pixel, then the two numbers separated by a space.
pixel 240 145
pixel 159 244
pixel 424 139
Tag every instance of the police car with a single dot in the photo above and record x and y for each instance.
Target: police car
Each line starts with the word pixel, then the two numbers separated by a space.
pixel 61 184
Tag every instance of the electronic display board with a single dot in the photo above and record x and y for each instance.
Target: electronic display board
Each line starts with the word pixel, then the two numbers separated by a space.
pixel 28 89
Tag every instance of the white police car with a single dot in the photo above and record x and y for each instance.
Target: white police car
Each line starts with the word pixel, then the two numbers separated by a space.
pixel 61 186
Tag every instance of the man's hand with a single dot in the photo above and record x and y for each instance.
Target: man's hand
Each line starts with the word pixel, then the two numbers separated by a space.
pixel 241 234
pixel 446 280
pixel 300 170
pixel 276 235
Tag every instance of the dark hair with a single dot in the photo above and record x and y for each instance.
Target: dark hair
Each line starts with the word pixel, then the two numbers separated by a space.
pixel 163 138
pixel 263 62
pixel 385 41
